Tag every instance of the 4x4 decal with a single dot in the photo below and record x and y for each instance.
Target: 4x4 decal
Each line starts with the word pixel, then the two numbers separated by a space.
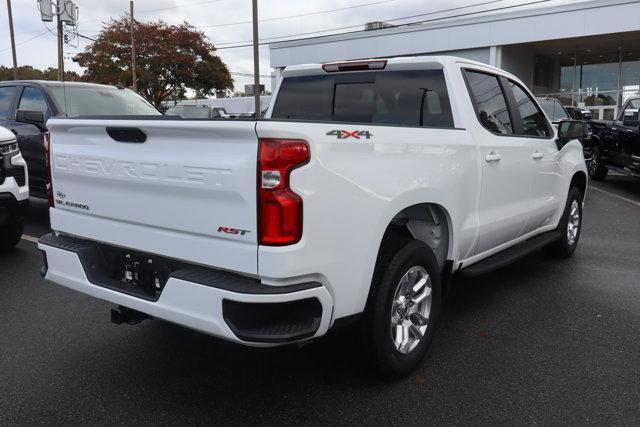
pixel 345 134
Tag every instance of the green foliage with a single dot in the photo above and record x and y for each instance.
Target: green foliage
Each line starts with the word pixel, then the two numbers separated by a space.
pixel 170 60
pixel 27 72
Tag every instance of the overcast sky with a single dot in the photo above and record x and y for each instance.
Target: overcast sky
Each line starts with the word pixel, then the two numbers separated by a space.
pixel 37 46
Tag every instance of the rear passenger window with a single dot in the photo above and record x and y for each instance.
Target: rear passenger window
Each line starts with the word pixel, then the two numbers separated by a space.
pixel 403 98
pixel 353 102
pixel 533 120
pixel 490 102
pixel 6 97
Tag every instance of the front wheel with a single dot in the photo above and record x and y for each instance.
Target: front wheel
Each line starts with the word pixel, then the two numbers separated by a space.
pixel 403 309
pixel 597 169
pixel 10 235
pixel 569 227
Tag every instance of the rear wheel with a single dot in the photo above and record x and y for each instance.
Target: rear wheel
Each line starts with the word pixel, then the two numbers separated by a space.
pixel 569 227
pixel 10 235
pixel 596 167
pixel 403 309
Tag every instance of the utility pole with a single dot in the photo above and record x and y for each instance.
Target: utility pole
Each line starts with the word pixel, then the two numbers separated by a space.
pixel 60 41
pixel 133 52
pixel 256 61
pixel 13 41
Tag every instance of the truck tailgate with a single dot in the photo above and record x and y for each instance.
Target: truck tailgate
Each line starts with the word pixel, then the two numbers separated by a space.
pixel 187 192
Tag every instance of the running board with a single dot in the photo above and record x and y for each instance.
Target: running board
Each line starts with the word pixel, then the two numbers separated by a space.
pixel 514 253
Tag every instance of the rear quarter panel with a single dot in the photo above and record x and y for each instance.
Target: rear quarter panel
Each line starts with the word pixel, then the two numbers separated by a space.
pixel 352 188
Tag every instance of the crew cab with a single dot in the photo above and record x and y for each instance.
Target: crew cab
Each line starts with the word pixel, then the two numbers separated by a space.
pixel 619 143
pixel 365 187
pixel 26 105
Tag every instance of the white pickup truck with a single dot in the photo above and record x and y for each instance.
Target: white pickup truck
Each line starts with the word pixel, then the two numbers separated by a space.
pixel 367 185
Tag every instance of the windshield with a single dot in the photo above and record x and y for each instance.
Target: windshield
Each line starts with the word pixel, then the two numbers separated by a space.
pixel 101 101
pixel 554 110
pixel 189 112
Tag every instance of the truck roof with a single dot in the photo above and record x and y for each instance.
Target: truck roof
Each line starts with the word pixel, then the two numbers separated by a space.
pixel 434 61
pixel 55 83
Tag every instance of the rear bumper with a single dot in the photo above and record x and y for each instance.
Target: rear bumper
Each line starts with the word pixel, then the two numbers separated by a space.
pixel 224 305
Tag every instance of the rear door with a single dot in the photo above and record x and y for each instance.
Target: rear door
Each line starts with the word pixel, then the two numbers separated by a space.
pixel 506 164
pixel 188 191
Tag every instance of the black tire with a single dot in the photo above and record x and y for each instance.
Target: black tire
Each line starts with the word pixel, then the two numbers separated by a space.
pixel 597 169
pixel 10 235
pixel 565 247
pixel 394 261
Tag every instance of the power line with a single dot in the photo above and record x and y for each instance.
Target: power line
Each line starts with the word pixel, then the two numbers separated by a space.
pixel 26 41
pixel 320 12
pixel 278 18
pixel 161 9
pixel 267 40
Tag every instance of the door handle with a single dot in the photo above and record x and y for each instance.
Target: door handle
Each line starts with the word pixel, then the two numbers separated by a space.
pixel 537 155
pixel 493 157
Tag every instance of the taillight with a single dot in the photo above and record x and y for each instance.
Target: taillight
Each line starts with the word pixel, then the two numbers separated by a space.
pixel 279 208
pixel 47 151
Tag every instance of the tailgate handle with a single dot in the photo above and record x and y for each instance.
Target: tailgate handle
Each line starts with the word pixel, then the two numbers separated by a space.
pixel 127 134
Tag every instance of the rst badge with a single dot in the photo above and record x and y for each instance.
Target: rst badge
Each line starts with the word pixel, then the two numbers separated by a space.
pixel 230 230
pixel 346 134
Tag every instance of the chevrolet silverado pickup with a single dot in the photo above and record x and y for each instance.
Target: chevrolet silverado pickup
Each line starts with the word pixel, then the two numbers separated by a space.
pixel 364 188
pixel 14 190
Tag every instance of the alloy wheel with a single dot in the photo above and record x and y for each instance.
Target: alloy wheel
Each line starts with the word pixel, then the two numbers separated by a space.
pixel 410 309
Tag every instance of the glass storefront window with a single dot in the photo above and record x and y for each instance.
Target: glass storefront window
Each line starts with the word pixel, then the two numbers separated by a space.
pixel 599 81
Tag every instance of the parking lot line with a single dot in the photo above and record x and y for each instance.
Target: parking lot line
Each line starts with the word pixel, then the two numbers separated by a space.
pixel 615 195
pixel 30 238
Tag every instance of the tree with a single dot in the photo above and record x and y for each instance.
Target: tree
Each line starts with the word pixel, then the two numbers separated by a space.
pixel 27 72
pixel 170 59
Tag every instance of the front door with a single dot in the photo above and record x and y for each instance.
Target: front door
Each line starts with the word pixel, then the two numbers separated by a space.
pixel 31 141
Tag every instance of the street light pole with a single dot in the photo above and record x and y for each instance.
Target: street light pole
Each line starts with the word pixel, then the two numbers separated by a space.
pixel 256 61
pixel 13 41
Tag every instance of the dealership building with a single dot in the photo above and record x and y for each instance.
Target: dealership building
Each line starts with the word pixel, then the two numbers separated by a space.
pixel 585 53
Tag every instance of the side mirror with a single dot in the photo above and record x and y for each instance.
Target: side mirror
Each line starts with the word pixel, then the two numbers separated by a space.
pixel 571 129
pixel 31 117
pixel 630 118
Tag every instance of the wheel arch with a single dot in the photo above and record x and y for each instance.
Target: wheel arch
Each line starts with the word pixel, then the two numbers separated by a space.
pixel 579 180
pixel 428 222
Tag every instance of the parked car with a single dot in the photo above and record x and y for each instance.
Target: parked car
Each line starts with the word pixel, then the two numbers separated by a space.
pixel 618 145
pixel 197 112
pixel 556 112
pixel 26 105
pixel 578 114
pixel 14 191
pixel 376 181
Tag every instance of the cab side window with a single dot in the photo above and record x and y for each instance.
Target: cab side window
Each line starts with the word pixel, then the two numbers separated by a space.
pixel 33 100
pixel 533 120
pixel 6 98
pixel 490 102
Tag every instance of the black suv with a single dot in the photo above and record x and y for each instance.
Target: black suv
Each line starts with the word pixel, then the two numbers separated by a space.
pixel 618 143
pixel 26 105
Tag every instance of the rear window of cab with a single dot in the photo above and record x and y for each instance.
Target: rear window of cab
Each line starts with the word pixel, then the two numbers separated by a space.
pixel 416 98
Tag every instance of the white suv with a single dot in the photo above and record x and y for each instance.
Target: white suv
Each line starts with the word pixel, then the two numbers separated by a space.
pixel 365 187
pixel 14 190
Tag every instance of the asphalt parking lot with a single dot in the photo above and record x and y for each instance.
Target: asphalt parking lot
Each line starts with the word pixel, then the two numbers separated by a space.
pixel 541 341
